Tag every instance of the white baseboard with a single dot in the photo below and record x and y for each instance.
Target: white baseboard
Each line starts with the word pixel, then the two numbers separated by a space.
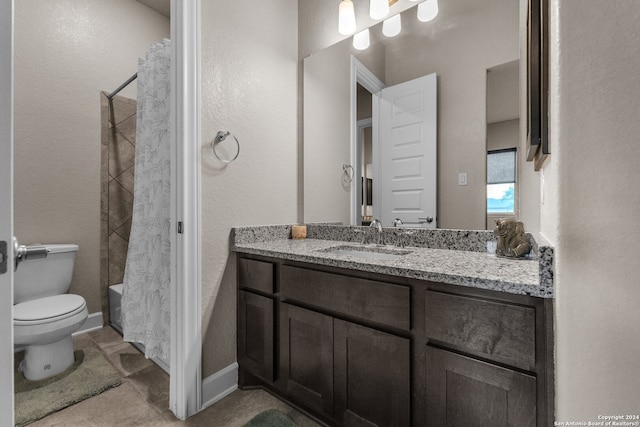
pixel 219 385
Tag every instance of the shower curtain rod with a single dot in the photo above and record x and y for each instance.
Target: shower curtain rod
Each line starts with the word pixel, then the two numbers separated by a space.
pixel 122 86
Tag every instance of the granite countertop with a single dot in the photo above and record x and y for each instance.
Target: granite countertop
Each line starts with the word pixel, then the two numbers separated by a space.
pixel 456 267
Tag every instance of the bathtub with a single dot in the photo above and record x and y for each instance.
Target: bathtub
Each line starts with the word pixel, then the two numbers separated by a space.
pixel 115 300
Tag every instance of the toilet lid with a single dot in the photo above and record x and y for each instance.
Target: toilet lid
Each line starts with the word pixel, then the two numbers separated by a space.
pixel 49 308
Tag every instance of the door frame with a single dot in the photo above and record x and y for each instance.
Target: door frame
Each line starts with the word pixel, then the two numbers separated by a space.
pixel 6 211
pixel 185 396
pixel 361 75
pixel 186 342
pixel 359 166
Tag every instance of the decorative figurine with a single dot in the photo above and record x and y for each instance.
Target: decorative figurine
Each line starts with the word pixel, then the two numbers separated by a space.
pixel 512 242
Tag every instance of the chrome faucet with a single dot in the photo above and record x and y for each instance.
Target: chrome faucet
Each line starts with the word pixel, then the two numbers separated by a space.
pixel 377 225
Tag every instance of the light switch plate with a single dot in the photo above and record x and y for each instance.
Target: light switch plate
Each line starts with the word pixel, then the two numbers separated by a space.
pixel 462 178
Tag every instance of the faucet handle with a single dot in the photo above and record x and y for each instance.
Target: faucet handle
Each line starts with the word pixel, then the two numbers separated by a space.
pixel 377 226
pixel 403 237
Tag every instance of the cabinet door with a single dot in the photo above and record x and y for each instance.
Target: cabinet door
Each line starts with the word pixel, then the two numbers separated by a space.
pixel 306 357
pixel 465 392
pixel 372 377
pixel 255 334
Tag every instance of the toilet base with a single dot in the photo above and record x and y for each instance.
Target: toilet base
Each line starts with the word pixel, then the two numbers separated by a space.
pixel 46 360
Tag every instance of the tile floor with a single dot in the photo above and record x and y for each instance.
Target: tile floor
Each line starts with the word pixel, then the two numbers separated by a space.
pixel 143 397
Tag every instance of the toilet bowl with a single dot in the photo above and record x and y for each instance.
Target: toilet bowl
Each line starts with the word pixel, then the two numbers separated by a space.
pixel 44 315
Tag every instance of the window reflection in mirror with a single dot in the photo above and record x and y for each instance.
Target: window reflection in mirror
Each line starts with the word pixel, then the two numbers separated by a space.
pixel 501 182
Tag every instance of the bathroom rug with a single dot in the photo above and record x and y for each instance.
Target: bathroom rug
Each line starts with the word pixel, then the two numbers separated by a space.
pixel 90 375
pixel 271 418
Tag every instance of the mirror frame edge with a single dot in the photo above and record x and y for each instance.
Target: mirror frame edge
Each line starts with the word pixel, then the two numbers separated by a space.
pixel 363 76
pixel 538 82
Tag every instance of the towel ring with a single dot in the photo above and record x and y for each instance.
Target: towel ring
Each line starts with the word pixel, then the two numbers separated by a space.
pixel 347 175
pixel 220 137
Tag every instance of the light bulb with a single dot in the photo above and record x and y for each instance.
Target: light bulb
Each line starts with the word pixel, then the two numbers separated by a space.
pixel 361 40
pixel 391 27
pixel 378 9
pixel 427 10
pixel 346 18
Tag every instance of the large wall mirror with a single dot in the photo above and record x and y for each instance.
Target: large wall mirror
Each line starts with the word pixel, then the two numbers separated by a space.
pixel 467 49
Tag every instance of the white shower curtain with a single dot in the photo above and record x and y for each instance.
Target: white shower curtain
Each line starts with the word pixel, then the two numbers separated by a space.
pixel 145 297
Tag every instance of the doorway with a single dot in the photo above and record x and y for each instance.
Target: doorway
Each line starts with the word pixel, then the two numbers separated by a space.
pixel 186 319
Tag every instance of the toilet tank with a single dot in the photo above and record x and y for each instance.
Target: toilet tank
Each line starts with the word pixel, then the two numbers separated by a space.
pixel 44 277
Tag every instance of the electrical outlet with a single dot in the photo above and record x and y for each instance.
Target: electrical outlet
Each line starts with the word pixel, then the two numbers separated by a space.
pixel 462 178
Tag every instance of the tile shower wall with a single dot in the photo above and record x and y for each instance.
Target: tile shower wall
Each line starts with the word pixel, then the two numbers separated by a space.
pixel 117 172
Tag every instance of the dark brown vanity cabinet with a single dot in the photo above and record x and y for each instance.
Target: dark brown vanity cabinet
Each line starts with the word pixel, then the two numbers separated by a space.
pixel 372 376
pixel 256 318
pixel 486 360
pixel 466 392
pixel 306 357
pixel 356 375
pixel 255 334
pixel 362 349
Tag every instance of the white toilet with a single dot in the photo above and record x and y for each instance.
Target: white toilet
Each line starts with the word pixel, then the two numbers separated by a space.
pixel 44 314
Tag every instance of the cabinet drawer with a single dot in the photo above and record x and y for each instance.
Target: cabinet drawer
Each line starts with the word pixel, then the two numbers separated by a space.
pixel 367 299
pixel 498 330
pixel 256 275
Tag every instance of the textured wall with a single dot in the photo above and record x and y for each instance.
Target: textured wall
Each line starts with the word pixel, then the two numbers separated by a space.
pixel 249 81
pixel 66 52
pixel 591 205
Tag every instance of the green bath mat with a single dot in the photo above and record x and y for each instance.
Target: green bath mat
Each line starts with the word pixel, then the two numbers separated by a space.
pixel 90 375
pixel 271 418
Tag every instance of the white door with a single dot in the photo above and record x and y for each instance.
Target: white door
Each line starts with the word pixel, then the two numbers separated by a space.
pixel 6 213
pixel 407 153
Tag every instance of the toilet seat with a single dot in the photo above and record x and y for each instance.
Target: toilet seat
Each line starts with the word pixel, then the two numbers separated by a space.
pixel 47 320
pixel 48 309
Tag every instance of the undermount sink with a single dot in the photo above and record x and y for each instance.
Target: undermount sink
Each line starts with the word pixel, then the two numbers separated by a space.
pixel 367 252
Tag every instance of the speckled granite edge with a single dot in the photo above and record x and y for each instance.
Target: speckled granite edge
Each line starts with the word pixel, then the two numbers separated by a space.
pixel 259 233
pixel 545 255
pixel 460 240
pixel 464 268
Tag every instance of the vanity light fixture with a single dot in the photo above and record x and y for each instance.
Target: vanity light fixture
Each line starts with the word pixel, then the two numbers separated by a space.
pixel 427 10
pixel 378 9
pixel 346 18
pixel 361 39
pixel 391 27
